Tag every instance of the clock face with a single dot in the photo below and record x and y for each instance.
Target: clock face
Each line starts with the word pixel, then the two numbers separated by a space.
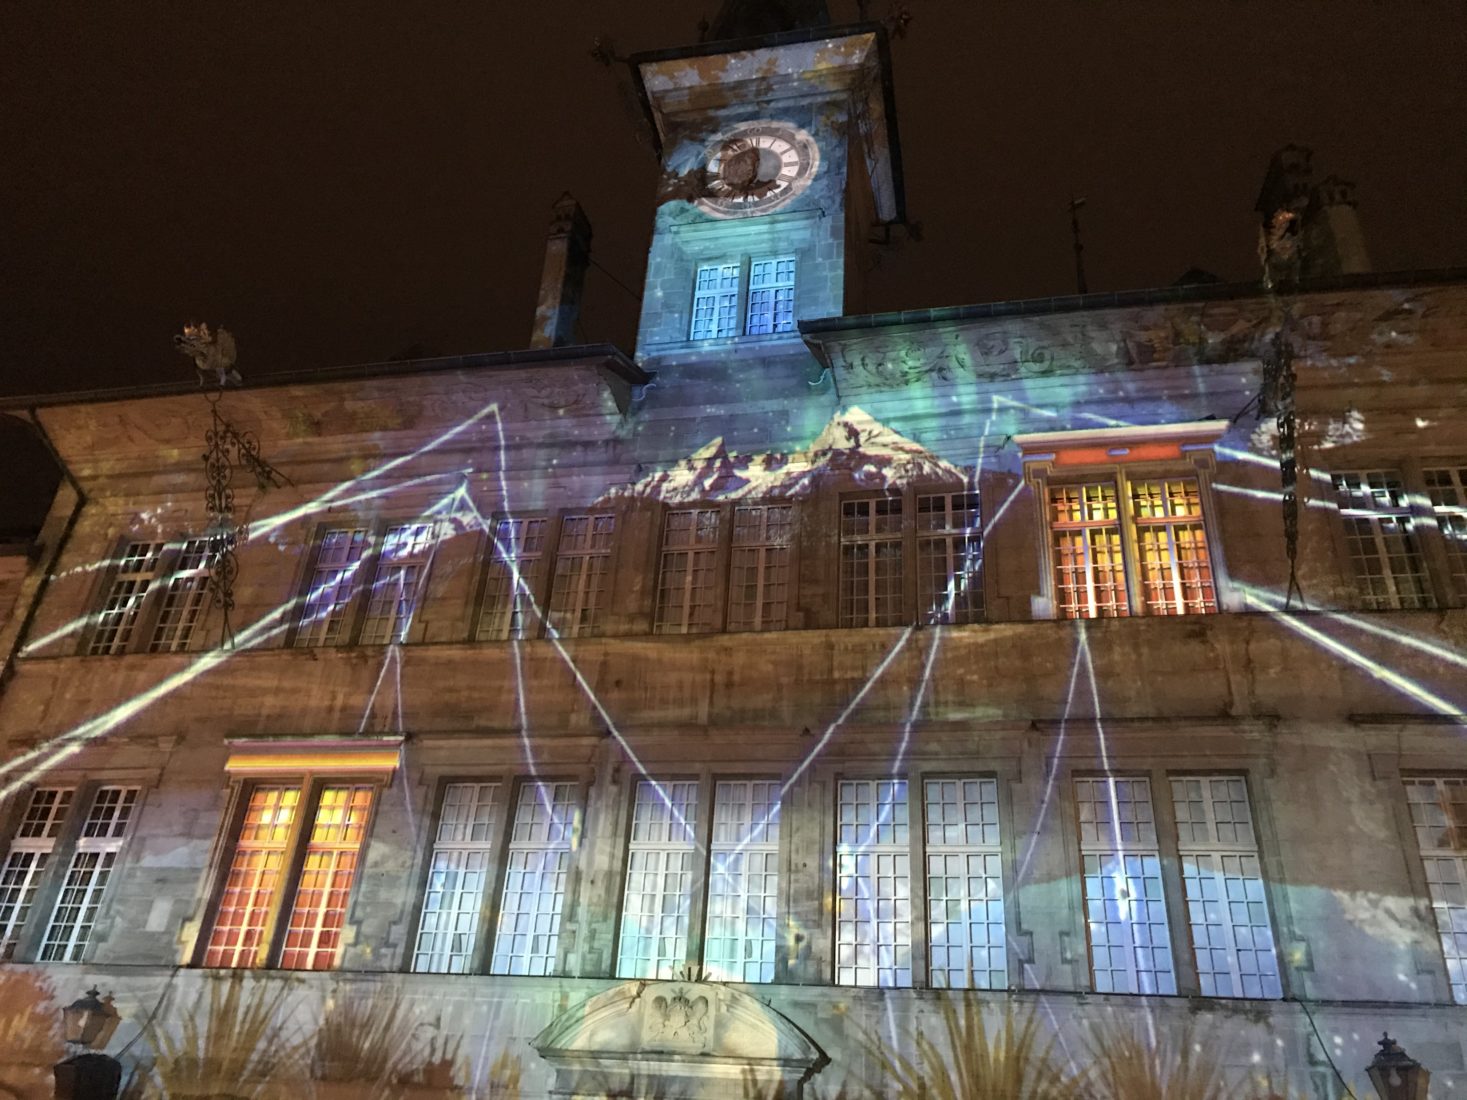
pixel 757 167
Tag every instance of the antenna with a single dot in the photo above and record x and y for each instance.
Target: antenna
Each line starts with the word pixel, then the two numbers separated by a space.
pixel 1075 205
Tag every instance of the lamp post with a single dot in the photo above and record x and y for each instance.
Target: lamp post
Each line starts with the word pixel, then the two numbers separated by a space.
pixel 88 1074
pixel 1395 1074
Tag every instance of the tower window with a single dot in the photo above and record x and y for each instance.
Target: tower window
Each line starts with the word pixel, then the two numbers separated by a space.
pixel 765 285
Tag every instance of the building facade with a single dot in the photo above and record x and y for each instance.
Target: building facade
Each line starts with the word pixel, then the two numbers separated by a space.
pixel 679 724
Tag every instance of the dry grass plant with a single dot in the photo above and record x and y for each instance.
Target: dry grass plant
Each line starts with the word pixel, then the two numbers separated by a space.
pixel 233 1043
pixel 967 1062
pixel 30 1021
pixel 374 1043
pixel 1135 1063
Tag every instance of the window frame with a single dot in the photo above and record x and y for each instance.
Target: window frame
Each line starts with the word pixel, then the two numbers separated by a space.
pixel 538 581
pixel 310 783
pixel 1042 473
pixel 1416 859
pixel 743 295
pixel 146 622
pixel 355 609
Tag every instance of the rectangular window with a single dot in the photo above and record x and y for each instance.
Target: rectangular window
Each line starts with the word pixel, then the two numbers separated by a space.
pixel 183 598
pixel 871 562
pixel 1173 566
pixel 580 574
pixel 1227 910
pixel 743 887
pixel 967 937
pixel 123 604
pixel 873 917
pixel 1446 488
pixel 255 879
pixel 516 567
pixel 771 296
pixel 458 879
pixel 659 888
pixel 716 302
pixel 759 569
pixel 1439 816
pixel 86 879
pixel 402 567
pixel 1125 911
pixel 30 850
pixel 324 618
pixel 537 866
pixel 1381 534
pixel 686 600
pixel 949 558
pixel 1089 565
pixel 333 851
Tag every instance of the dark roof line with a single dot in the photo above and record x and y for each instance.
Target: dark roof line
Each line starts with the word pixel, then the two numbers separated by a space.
pixel 609 354
pixel 1077 303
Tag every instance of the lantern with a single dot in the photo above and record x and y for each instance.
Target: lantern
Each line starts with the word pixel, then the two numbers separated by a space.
pixel 1396 1075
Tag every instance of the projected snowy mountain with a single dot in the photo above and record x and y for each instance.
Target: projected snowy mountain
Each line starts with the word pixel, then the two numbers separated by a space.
pixel 853 444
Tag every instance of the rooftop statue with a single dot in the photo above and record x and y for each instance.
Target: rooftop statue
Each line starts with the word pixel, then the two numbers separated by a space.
pixel 212 353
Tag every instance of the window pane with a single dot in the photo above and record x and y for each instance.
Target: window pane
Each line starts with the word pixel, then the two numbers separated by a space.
pixel 183 599
pixel 402 567
pixel 86 879
pixel 538 863
pixel 252 888
pixel 1089 567
pixel 1125 911
pixel 949 558
pixel 338 565
pixel 457 879
pixel 715 302
pixel 580 574
pixel 759 569
pixel 1232 937
pixel 1381 534
pixel 333 851
pixel 967 936
pixel 30 851
pixel 1447 490
pixel 1439 816
pixel 873 921
pixel 516 564
pixel 659 887
pixel 685 588
pixel 871 562
pixel 118 616
pixel 771 296
pixel 1171 547
pixel 743 887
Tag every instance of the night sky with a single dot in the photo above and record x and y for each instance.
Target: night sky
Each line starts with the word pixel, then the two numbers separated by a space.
pixel 337 185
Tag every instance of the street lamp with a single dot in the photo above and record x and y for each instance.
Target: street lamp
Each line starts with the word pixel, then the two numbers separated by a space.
pixel 1395 1074
pixel 88 1074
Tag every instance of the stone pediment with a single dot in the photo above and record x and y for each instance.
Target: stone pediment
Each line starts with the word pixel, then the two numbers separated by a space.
pixel 677 1040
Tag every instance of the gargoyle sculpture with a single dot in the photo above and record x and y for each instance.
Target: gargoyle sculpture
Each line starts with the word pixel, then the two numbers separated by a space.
pixel 212 353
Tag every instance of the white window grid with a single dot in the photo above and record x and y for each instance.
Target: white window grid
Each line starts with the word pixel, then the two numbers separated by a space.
pixel 183 598
pixel 80 900
pixel 1089 561
pixel 137 569
pixel 967 934
pixel 771 296
pixel 873 919
pixel 1380 532
pixel 659 885
pixel 255 878
pixel 30 852
pixel 518 547
pixel 458 879
pixel 537 866
pixel 716 302
pixel 871 562
pixel 1125 907
pixel 313 934
pixel 580 574
pixel 397 583
pixel 1227 906
pixel 324 616
pixel 950 558
pixel 1446 488
pixel 1438 806
pixel 686 596
pixel 1174 568
pixel 759 567
pixel 743 887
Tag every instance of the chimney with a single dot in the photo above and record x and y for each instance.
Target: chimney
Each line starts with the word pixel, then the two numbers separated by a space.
pixel 567 252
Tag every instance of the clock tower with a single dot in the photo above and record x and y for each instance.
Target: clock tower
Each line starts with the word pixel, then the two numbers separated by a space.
pixel 778 152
